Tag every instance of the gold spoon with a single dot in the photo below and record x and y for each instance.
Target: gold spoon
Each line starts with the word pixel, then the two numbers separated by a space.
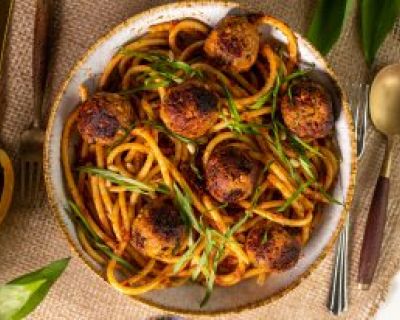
pixel 385 115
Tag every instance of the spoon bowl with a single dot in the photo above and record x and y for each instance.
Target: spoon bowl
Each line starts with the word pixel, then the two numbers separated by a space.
pixel 385 100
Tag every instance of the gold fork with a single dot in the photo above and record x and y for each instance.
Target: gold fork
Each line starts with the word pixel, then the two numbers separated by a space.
pixel 32 138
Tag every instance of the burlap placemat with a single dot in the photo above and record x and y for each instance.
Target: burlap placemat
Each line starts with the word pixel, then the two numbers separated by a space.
pixel 31 238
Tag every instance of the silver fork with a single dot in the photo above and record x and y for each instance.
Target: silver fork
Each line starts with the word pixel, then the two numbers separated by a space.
pixel 32 139
pixel 338 301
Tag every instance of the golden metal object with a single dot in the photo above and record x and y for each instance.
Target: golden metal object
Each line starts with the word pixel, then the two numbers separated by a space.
pixel 385 115
pixel 385 109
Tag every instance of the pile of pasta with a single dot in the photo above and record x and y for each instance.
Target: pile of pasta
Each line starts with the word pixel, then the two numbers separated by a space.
pixel 110 185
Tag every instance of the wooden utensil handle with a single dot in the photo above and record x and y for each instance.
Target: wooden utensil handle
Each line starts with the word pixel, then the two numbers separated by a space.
pixel 40 50
pixel 373 233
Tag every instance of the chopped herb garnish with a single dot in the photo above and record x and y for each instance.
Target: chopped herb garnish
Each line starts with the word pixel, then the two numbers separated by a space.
pixel 108 252
pixel 281 154
pixel 126 133
pixel 290 94
pixel 275 92
pixel 195 170
pixel 231 231
pixel 185 257
pixel 265 237
pixel 261 101
pixel 163 64
pixel 222 206
pixel 296 74
pixel 164 129
pixel 83 220
pixel 306 165
pixel 184 203
pixel 129 183
pixel 329 197
pixel 300 145
pixel 96 239
pixel 202 262
pixel 151 85
pixel 257 194
pixel 235 123
pixel 295 195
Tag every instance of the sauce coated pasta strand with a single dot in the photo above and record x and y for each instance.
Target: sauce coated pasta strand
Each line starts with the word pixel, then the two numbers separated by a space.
pixel 192 162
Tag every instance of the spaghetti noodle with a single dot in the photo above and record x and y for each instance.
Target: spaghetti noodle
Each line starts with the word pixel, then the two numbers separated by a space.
pixel 187 168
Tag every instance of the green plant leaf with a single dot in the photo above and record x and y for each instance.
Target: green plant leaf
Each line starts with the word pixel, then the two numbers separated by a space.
pixel 327 22
pixel 21 296
pixel 13 296
pixel 377 19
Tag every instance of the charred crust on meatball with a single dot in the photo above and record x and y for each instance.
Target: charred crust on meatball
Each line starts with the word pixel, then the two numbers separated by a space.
pixel 166 222
pixel 157 227
pixel 309 113
pixel 189 109
pixel 279 252
pixel 102 116
pixel 233 44
pixel 230 174
pixel 137 240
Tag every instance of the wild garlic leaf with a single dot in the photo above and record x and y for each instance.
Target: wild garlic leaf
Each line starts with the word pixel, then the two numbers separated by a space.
pixel 377 19
pixel 21 296
pixel 14 296
pixel 327 23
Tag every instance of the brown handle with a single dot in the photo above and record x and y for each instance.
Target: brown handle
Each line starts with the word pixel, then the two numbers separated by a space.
pixel 40 50
pixel 373 233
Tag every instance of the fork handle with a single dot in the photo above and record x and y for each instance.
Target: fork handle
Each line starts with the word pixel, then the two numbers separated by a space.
pixel 375 227
pixel 40 55
pixel 338 292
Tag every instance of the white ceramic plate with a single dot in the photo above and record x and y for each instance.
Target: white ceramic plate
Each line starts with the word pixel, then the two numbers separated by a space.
pixel 186 299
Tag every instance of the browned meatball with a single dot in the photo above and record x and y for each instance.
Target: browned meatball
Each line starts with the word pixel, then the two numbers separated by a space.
pixel 102 117
pixel 279 252
pixel 230 174
pixel 157 228
pixel 309 113
pixel 189 109
pixel 233 44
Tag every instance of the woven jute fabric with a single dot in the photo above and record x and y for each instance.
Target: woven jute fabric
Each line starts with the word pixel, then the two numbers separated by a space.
pixel 31 238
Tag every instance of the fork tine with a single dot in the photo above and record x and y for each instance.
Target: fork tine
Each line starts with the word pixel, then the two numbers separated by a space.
pixel 23 181
pixel 31 172
pixel 38 179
